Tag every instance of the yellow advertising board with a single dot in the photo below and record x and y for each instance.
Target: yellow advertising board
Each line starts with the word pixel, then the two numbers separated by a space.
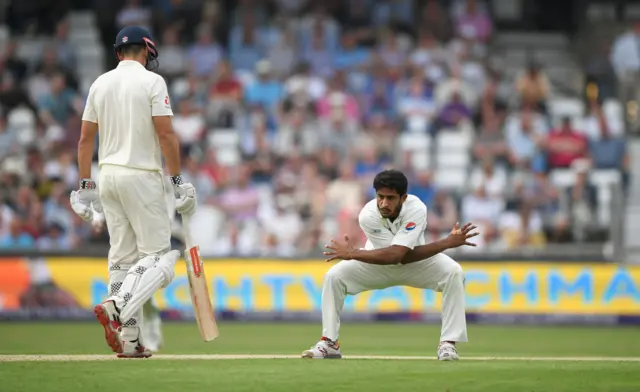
pixel 273 285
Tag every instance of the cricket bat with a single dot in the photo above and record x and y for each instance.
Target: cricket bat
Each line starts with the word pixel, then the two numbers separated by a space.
pixel 198 287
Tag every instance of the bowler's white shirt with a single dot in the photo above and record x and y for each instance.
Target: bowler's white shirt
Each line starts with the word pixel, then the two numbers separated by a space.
pixel 406 230
pixel 123 103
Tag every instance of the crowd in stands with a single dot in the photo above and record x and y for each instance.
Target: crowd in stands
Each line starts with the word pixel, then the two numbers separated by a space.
pixel 285 111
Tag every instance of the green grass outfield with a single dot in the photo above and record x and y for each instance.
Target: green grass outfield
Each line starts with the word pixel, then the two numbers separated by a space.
pixel 73 357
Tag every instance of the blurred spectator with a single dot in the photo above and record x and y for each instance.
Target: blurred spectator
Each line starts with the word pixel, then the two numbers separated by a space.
pixel 305 86
pixel 454 113
pixel 225 98
pixel 174 56
pixel 526 133
pixel 132 14
pixel 533 87
pixel 240 199
pixel 418 107
pixel 281 229
pixel 389 49
pixel 422 187
pixel 346 191
pixel 565 145
pixel 193 174
pixel 266 91
pixel 320 20
pixel 398 13
pixel 474 23
pixel 484 211
pixel 491 143
pixel 16 237
pixel 188 124
pixel 319 56
pixel 296 134
pixel 625 58
pixel 442 215
pixel 56 107
pixel 522 226
pixel 350 55
pixel 54 238
pixel 607 146
pixel 245 46
pixel 205 54
pixel 583 201
pixel 434 16
pixel 428 50
pixel 14 65
pixel 282 54
pixel 66 53
pixel 489 177
pixel 455 84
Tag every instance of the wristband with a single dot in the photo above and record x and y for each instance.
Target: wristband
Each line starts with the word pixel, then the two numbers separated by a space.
pixel 87 183
pixel 176 180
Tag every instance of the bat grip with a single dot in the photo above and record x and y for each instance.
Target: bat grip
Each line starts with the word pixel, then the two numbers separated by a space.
pixel 186 231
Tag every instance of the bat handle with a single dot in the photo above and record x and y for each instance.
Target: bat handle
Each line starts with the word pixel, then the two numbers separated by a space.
pixel 186 231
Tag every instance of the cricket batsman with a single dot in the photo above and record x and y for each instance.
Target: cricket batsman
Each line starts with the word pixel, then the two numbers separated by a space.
pixel 395 254
pixel 130 106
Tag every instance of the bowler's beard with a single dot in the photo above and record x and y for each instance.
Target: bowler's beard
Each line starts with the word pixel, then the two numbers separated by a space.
pixel 393 214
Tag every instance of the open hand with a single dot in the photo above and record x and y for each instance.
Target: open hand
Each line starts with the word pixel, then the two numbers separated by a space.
pixel 460 236
pixel 339 250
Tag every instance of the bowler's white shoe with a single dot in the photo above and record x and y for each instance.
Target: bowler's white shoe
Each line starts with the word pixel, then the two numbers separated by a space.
pixel 132 346
pixel 324 349
pixel 447 352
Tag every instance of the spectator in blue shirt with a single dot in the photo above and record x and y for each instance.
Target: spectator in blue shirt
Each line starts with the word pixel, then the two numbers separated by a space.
pixel 265 91
pixel 16 237
pixel 205 54
pixel 350 55
pixel 56 107
pixel 245 47
pixel 423 188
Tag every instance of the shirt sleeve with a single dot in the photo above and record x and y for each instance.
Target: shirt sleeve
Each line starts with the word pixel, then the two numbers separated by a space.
pixel 412 228
pixel 160 103
pixel 89 113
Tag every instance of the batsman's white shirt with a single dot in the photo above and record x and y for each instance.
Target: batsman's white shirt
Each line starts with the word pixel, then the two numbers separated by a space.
pixel 439 273
pixel 406 230
pixel 123 102
pixel 131 185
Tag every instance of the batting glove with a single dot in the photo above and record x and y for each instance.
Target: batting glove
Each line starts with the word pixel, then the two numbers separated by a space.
pixel 85 200
pixel 186 202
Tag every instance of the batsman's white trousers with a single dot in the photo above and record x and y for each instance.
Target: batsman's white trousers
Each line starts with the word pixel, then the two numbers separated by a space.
pixel 439 273
pixel 135 210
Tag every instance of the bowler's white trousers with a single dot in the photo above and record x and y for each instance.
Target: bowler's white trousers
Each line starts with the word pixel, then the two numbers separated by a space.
pixel 135 209
pixel 439 273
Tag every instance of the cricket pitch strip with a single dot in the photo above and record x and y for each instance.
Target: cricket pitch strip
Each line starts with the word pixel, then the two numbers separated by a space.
pixel 213 357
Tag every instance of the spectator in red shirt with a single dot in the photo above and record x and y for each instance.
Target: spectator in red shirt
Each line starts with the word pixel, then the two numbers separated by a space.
pixel 564 145
pixel 226 85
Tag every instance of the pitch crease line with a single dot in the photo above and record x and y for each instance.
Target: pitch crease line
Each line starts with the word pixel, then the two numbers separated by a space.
pixel 86 358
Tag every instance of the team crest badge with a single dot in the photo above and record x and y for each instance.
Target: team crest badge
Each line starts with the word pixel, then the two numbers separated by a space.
pixel 125 39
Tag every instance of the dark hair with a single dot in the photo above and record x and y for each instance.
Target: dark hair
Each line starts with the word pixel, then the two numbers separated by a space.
pixel 391 179
pixel 131 50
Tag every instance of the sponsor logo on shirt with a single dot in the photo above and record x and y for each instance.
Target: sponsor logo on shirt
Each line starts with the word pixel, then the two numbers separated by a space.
pixel 166 101
pixel 410 226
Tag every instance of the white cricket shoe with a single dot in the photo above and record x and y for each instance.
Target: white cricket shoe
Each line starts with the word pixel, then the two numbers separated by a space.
pixel 324 349
pixel 109 317
pixel 132 346
pixel 447 352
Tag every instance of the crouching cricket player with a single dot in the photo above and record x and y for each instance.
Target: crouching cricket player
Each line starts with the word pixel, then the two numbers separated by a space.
pixel 130 107
pixel 395 254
